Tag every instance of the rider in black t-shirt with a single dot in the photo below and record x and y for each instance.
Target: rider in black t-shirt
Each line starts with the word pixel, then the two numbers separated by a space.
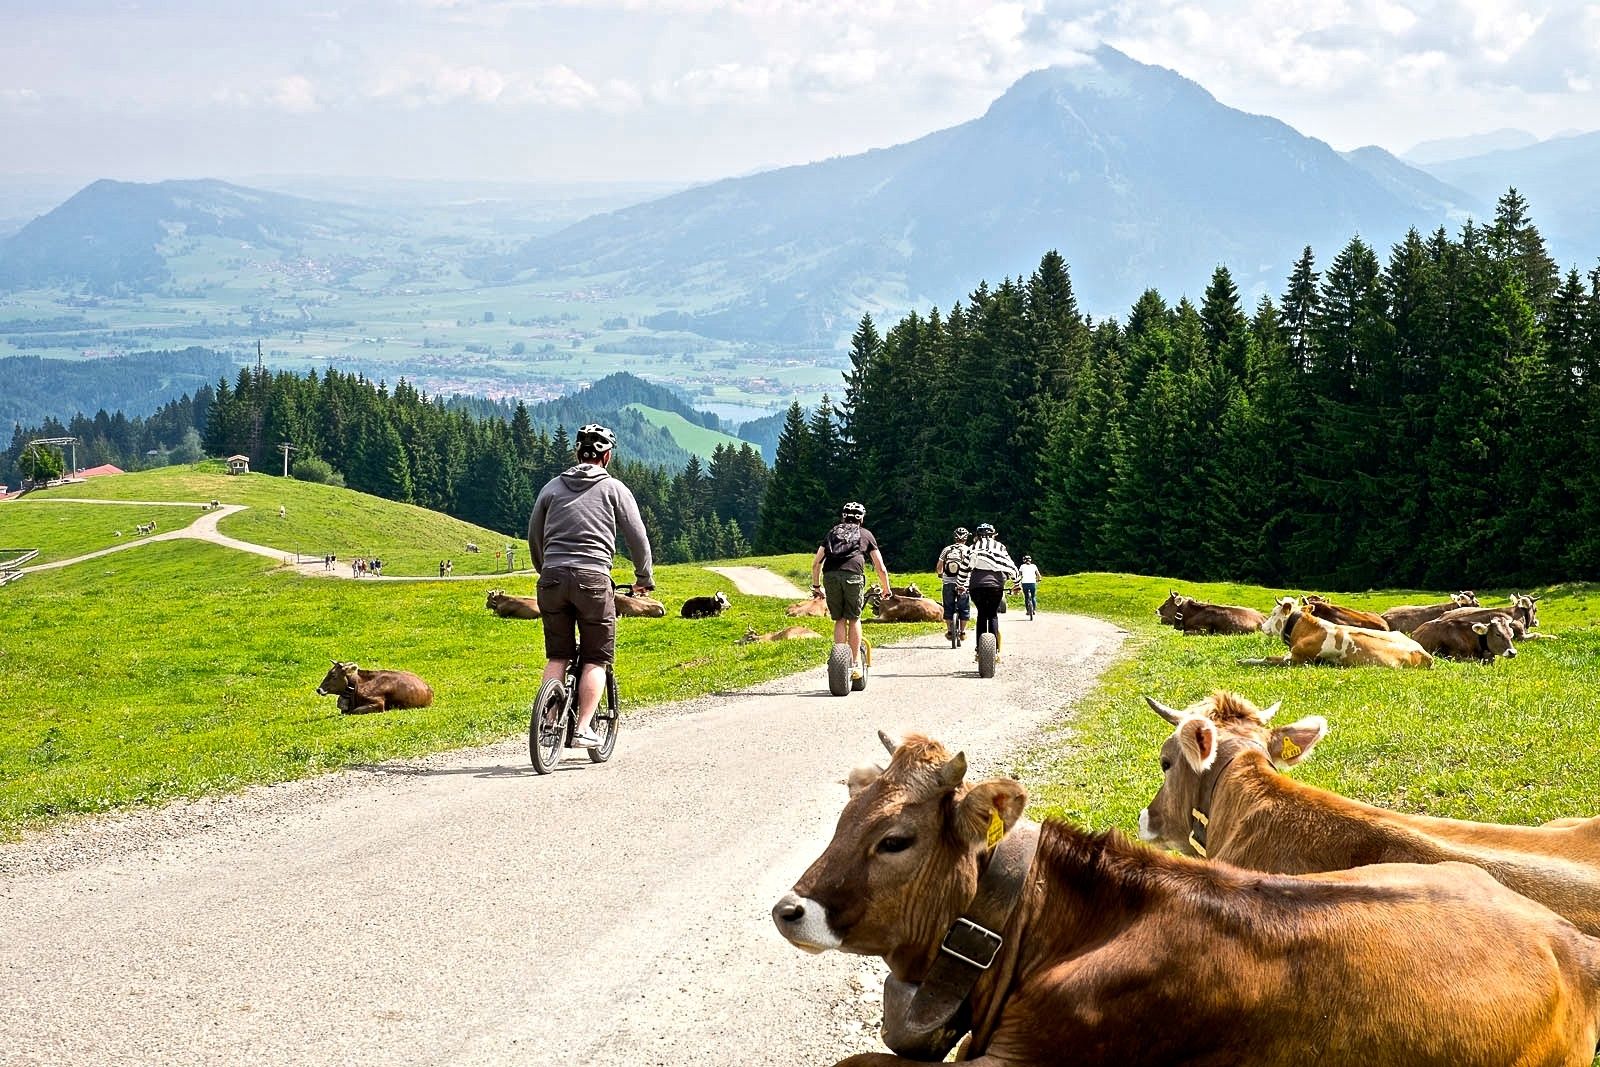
pixel 839 570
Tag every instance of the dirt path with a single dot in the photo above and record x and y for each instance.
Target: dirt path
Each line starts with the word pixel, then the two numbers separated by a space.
pixel 759 581
pixel 204 528
pixel 464 911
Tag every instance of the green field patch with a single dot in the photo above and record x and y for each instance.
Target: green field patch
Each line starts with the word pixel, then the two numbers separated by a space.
pixel 61 530
pixel 694 438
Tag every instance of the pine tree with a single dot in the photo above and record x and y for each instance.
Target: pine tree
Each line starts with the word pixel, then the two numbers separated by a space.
pixel 789 509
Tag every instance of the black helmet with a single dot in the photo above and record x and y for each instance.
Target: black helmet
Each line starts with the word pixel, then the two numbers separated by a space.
pixel 985 529
pixel 595 440
pixel 1027 559
pixel 855 510
pixel 962 533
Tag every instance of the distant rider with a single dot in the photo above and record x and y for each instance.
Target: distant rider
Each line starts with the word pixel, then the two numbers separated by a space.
pixel 1030 585
pixel 987 571
pixel 957 608
pixel 839 570
pixel 572 534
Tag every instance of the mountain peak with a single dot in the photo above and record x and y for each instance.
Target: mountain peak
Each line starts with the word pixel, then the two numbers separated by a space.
pixel 1104 73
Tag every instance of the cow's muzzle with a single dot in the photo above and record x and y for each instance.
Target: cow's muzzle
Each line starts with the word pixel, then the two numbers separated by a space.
pixel 321 692
pixel 804 923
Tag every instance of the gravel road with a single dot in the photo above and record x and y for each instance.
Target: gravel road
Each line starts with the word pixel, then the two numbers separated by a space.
pixel 758 581
pixel 460 910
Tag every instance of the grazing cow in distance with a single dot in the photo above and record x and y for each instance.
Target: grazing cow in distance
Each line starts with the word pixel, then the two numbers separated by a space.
pixel 1465 639
pixel 1314 640
pixel 1192 616
pixel 512 607
pixel 1407 617
pixel 1323 608
pixel 639 607
pixel 814 608
pixel 705 607
pixel 1110 954
pixel 1221 794
pixel 904 609
pixel 788 633
pixel 362 691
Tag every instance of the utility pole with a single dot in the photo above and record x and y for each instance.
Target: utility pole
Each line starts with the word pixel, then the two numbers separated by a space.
pixel 286 448
pixel 255 408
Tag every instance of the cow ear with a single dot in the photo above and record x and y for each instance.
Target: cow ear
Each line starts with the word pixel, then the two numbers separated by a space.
pixel 1173 717
pixel 989 811
pixel 1197 740
pixel 862 776
pixel 1288 745
pixel 1480 628
pixel 1266 716
pixel 954 770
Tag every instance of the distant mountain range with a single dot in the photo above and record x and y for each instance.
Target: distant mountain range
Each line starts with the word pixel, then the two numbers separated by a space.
pixel 1445 149
pixel 1137 175
pixel 115 236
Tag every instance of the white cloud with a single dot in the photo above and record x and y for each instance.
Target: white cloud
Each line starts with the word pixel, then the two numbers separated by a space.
pixel 295 93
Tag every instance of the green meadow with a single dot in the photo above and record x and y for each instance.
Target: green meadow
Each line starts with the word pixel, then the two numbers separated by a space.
pixel 697 439
pixel 61 530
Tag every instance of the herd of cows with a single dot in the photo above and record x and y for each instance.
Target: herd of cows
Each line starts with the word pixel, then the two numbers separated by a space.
pixel 1411 635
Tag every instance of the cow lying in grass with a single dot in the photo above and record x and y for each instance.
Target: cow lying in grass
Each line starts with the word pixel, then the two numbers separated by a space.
pixel 366 691
pixel 1193 616
pixel 1523 613
pixel 705 607
pixel 639 606
pixel 512 607
pixel 1314 640
pixel 1110 954
pixel 1221 795
pixel 788 633
pixel 1464 639
pixel 1323 608
pixel 904 608
pixel 814 608
pixel 1407 617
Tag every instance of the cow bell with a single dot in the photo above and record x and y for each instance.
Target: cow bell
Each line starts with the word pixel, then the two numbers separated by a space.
pixel 925 1045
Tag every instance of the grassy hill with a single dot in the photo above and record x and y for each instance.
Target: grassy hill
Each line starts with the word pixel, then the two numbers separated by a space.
pixel 318 519
pixel 690 437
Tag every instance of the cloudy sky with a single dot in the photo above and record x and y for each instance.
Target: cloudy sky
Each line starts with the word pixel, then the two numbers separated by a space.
pixel 693 89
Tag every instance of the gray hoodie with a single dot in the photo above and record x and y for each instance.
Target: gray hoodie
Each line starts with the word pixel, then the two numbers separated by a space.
pixel 575 521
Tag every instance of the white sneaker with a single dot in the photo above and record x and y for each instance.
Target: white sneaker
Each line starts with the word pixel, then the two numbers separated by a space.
pixel 586 739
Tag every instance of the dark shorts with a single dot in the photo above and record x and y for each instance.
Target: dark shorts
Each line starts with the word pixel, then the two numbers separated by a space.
pixel 846 592
pixel 569 597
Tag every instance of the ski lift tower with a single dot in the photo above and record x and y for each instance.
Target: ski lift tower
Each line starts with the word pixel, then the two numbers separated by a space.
pixel 70 442
pixel 286 448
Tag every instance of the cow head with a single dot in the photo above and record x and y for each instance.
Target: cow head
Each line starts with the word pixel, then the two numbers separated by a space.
pixel 1465 599
pixel 494 598
pixel 1525 609
pixel 1172 608
pixel 904 859
pixel 750 636
pixel 1199 732
pixel 1495 638
pixel 339 678
pixel 1274 623
pixel 722 600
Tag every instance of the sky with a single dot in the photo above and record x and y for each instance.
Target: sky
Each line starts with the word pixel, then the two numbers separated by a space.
pixel 688 90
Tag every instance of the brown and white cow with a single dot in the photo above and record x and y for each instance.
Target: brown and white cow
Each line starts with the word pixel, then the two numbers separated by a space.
pixel 1221 794
pixel 1323 608
pixel 1464 639
pixel 1314 640
pixel 1193 616
pixel 1407 617
pixel 1120 956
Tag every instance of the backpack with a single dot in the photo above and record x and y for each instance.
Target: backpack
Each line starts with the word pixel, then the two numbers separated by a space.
pixel 952 562
pixel 842 544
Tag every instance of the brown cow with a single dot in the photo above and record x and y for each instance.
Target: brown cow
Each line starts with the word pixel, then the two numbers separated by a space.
pixel 1314 640
pixel 904 608
pixel 1323 608
pixel 814 608
pixel 1220 791
pixel 1464 639
pixel 1115 955
pixel 363 691
pixel 1407 617
pixel 1193 616
pixel 788 633
pixel 512 607
pixel 906 590
pixel 639 607
pixel 1523 611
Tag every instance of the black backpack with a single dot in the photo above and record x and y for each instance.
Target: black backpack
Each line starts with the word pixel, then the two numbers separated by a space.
pixel 842 544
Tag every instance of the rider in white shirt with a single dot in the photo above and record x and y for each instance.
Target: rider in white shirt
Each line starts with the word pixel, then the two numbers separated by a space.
pixel 1030 584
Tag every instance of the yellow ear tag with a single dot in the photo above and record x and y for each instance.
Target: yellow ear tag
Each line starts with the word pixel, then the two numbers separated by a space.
pixel 997 829
pixel 1290 749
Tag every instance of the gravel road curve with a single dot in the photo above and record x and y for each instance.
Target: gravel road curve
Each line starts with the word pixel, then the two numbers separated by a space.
pixel 461 910
pixel 758 581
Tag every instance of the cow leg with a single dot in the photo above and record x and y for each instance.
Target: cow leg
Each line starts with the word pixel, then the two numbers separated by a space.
pixel 363 709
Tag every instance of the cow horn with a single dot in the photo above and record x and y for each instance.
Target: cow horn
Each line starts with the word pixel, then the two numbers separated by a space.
pixel 1173 717
pixel 953 771
pixel 888 742
pixel 1266 716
